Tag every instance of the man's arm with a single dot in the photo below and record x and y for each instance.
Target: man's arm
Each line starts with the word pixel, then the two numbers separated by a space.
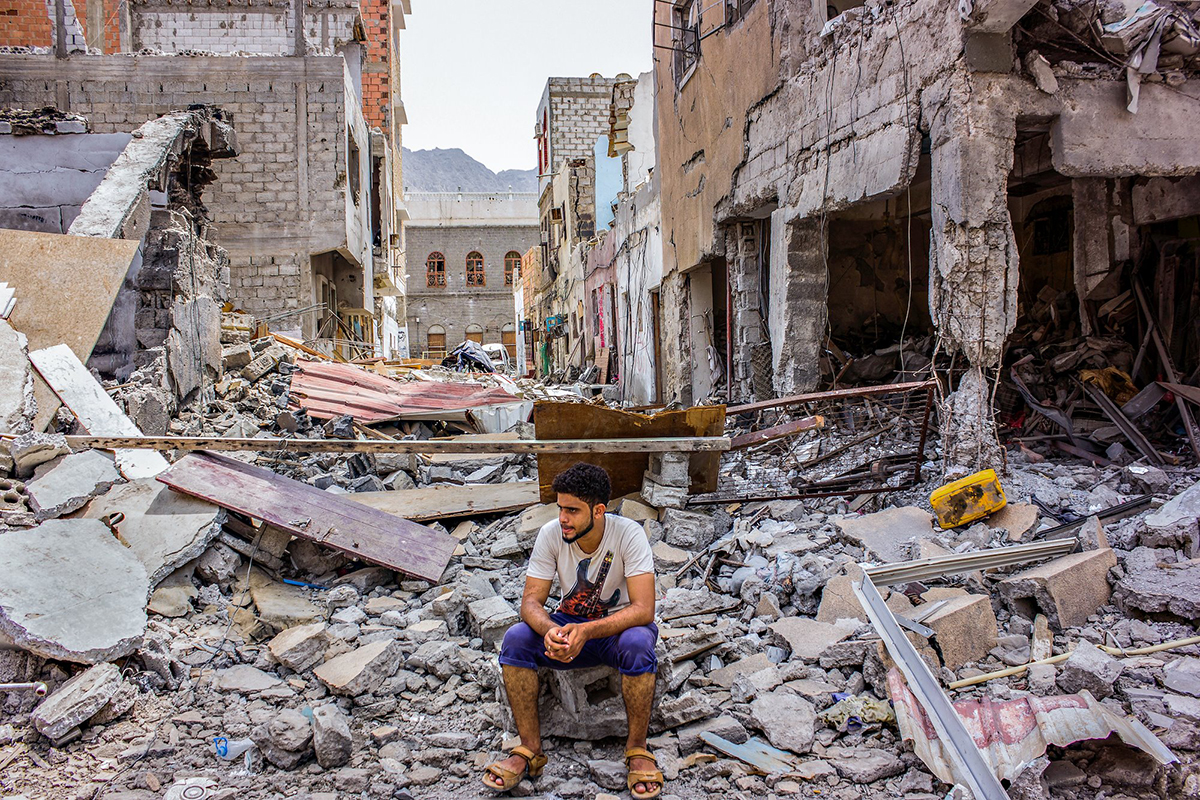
pixel 640 611
pixel 533 605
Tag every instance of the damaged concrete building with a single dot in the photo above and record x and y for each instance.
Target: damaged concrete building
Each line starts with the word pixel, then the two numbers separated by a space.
pixel 907 181
pixel 306 210
pixel 152 315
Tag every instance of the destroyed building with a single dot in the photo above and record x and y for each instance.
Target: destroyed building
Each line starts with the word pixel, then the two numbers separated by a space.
pixel 469 245
pixel 912 178
pixel 307 211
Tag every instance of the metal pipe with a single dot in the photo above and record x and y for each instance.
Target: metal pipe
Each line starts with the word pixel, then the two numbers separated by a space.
pixel 37 687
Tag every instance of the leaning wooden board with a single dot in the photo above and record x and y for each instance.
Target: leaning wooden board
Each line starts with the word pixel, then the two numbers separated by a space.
pixel 585 421
pixel 310 513
pixel 447 500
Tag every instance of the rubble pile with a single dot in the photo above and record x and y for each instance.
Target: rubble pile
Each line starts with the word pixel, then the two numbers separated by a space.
pixel 271 664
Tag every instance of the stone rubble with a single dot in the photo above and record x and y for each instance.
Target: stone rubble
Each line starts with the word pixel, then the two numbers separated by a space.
pixel 352 680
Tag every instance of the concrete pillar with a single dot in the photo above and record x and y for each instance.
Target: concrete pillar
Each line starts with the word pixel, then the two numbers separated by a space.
pixel 1090 251
pixel 973 268
pixel 675 339
pixel 797 310
pixel 751 379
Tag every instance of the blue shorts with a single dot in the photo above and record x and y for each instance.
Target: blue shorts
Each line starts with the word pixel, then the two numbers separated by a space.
pixel 631 651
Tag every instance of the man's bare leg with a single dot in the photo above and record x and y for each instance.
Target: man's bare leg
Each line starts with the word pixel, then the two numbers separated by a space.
pixel 638 691
pixel 522 687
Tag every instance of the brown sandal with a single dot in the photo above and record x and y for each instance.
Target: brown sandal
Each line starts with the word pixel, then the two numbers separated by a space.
pixel 641 776
pixel 534 764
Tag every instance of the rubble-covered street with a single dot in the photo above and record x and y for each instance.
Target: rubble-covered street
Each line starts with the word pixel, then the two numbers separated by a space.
pixel 880 319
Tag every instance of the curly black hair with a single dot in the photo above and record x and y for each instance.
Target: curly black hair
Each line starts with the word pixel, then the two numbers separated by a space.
pixel 586 481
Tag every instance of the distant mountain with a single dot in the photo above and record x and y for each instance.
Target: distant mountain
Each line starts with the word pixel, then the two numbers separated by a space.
pixel 440 170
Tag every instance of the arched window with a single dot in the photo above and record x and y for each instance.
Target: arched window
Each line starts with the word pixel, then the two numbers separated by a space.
pixel 475 334
pixel 475 269
pixel 508 337
pixel 512 265
pixel 435 269
pixel 436 347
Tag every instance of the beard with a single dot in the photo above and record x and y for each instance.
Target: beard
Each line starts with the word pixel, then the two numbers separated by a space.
pixel 581 534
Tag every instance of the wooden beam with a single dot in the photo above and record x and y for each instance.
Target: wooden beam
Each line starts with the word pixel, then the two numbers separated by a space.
pixel 777 432
pixel 332 520
pixel 685 444
pixel 836 394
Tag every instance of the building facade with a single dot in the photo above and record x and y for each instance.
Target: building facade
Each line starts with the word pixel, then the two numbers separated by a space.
pixel 307 210
pixel 464 255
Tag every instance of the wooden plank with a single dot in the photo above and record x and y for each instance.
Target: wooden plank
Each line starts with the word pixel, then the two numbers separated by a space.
pixel 836 394
pixel 63 372
pixel 777 432
pixel 332 520
pixel 701 425
pixel 683 444
pixel 446 501
pixel 38 266
pixel 1189 393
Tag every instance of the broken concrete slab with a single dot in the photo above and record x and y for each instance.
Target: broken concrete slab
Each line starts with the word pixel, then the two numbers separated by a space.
pixel 1016 518
pixel 361 670
pixel 1183 675
pixel 808 638
pixel 964 628
pixel 72 591
pixel 301 647
pixel 244 679
pixel 725 676
pixel 1152 588
pixel 77 701
pixel 490 618
pixel 279 605
pixel 1089 667
pixel 68 484
pixel 838 601
pixel 174 595
pixel 332 740
pixel 164 529
pixel 688 529
pixel 17 403
pixel 887 533
pixel 788 720
pixel 31 449
pixel 668 557
pixel 1176 524
pixel 1067 590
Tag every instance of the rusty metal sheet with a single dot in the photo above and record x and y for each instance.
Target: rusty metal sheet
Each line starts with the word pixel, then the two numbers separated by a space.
pixel 553 420
pixel 305 511
pixel 329 390
pixel 777 432
pixel 1011 733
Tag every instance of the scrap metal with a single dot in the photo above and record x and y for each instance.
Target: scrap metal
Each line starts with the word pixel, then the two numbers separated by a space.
pixel 1011 733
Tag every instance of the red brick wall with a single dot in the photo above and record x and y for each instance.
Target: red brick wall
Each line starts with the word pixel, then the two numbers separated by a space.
pixel 376 70
pixel 25 23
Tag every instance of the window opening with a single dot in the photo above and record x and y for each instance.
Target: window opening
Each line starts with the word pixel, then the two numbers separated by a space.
pixel 435 270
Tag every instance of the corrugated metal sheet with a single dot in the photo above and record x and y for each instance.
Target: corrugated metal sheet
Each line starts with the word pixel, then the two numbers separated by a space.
pixel 1011 733
pixel 329 390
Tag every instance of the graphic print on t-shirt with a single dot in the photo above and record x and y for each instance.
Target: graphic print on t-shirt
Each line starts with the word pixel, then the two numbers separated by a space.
pixel 584 598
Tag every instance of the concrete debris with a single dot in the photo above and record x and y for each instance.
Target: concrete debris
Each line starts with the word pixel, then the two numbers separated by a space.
pixel 66 485
pixel 31 449
pixel 302 647
pixel 1067 590
pixel 1176 524
pixel 361 670
pixel 17 404
pixel 72 592
pixel 164 529
pixel 787 720
pixel 888 533
pixel 332 740
pixel 1089 668
pixel 77 701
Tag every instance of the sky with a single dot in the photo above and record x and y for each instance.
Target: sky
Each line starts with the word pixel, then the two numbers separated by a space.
pixel 472 71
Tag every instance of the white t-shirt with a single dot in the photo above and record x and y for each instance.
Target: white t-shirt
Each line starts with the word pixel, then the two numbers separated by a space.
pixel 624 551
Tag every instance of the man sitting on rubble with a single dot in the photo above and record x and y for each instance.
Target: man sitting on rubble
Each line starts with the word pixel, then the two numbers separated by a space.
pixel 606 617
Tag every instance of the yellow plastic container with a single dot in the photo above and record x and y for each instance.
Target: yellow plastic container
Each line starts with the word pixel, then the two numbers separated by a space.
pixel 968 499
